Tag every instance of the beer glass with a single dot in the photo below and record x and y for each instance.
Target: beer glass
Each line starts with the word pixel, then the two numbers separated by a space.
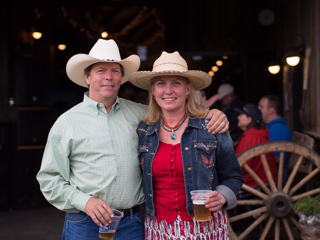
pixel 201 213
pixel 107 232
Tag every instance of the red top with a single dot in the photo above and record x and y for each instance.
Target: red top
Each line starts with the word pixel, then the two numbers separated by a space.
pixel 248 139
pixel 169 194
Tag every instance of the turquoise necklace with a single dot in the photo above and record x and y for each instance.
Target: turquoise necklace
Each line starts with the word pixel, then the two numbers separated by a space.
pixel 175 128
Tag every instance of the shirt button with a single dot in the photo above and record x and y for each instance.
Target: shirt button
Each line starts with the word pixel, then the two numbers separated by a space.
pixel 189 169
pixel 172 168
pixel 176 194
pixel 176 199
pixel 186 149
pixel 171 160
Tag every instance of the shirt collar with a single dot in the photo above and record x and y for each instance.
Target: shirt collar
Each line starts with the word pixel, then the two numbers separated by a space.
pixel 95 107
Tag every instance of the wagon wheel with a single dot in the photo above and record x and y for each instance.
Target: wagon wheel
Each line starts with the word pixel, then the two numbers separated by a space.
pixel 274 204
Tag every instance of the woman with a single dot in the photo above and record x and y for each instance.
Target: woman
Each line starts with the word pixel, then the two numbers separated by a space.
pixel 178 155
pixel 250 121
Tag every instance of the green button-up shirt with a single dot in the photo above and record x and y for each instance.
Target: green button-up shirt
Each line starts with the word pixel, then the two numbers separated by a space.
pixel 90 153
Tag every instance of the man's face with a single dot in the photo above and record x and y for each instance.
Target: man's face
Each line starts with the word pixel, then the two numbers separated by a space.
pixel 104 81
pixel 263 106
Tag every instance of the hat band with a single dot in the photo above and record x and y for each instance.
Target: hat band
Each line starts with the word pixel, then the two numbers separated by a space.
pixel 109 60
pixel 170 63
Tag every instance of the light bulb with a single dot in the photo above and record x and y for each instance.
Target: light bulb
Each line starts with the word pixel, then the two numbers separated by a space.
pixel 293 61
pixel 274 69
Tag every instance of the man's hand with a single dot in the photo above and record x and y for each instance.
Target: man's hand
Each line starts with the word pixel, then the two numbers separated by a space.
pixel 218 121
pixel 215 201
pixel 99 211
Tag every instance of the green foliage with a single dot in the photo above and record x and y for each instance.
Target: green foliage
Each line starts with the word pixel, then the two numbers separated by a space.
pixel 309 206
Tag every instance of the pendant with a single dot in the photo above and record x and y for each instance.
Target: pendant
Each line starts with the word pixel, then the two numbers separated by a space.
pixel 172 136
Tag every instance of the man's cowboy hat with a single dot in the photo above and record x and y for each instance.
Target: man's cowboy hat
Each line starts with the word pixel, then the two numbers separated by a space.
pixel 170 64
pixel 102 51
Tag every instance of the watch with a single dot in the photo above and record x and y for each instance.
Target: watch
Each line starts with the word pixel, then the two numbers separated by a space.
pixel 266 17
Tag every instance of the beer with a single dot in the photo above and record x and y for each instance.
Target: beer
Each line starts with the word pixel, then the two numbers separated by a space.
pixel 108 236
pixel 201 213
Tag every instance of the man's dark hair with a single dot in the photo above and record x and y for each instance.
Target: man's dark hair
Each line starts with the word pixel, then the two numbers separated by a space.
pixel 274 102
pixel 88 69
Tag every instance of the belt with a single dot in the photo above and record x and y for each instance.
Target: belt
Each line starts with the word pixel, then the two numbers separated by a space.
pixel 126 212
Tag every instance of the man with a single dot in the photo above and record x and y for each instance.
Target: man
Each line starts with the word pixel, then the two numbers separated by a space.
pixel 90 164
pixel 271 109
pixel 229 102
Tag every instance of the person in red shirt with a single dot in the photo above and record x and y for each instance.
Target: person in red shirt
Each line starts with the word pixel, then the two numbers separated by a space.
pixel 255 132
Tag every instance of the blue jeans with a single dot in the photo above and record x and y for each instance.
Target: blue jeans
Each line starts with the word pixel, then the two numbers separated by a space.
pixel 79 226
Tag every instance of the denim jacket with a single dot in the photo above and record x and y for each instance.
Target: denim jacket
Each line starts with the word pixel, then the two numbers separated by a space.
pixel 209 162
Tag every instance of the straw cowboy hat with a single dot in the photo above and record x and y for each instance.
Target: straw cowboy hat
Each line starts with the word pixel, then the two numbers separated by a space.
pixel 170 64
pixel 102 51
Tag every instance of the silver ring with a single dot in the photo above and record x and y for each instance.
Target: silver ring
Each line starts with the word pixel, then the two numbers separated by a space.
pixel 223 123
pixel 221 202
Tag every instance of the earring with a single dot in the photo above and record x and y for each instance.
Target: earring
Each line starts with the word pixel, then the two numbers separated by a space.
pixel 187 97
pixel 154 98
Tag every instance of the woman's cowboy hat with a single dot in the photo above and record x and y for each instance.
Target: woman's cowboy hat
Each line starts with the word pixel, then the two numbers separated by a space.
pixel 102 51
pixel 170 64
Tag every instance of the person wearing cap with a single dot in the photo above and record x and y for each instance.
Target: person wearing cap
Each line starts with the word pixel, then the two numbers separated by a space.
pixel 230 101
pixel 255 132
pixel 271 109
pixel 178 155
pixel 90 163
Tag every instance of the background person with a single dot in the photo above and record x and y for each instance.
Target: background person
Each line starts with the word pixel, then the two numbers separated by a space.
pixel 178 155
pixel 271 109
pixel 229 102
pixel 255 132
pixel 90 163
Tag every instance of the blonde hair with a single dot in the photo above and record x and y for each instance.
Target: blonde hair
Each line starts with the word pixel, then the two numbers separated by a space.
pixel 193 106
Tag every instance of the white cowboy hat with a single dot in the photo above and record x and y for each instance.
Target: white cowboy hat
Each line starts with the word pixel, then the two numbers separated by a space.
pixel 170 64
pixel 102 51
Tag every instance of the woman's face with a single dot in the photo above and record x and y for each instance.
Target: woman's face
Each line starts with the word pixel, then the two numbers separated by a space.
pixel 244 121
pixel 171 92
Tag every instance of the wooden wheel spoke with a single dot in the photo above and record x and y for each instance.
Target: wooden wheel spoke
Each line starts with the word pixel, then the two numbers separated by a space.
pixel 267 228
pixel 280 173
pixel 277 230
pixel 256 178
pixel 254 192
pixel 250 202
pixel 303 181
pixel 248 214
pixel 305 194
pixel 292 175
pixel 295 222
pixel 268 172
pixel 253 225
pixel 286 226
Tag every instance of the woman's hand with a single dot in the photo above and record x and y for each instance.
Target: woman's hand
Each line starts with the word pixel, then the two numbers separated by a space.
pixel 215 201
pixel 218 121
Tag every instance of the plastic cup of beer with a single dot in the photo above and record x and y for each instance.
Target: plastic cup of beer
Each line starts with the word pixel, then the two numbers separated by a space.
pixel 107 232
pixel 201 213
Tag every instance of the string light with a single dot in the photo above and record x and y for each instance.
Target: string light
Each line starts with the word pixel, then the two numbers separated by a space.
pixel 94 31
pixel 62 47
pixel 215 68
pixel 104 34
pixel 37 35
pixel 219 63
pixel 211 73
pixel 225 57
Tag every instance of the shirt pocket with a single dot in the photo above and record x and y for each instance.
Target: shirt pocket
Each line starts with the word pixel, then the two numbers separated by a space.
pixel 205 151
pixel 144 149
